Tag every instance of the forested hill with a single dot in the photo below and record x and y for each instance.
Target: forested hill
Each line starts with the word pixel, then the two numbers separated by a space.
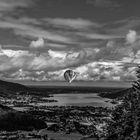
pixel 116 94
pixel 8 88
pixel 11 86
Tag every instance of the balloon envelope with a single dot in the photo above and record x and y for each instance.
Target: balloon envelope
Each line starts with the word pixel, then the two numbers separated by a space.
pixel 70 75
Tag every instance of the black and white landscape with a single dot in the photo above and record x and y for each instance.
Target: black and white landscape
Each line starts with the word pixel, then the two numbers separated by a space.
pixel 69 70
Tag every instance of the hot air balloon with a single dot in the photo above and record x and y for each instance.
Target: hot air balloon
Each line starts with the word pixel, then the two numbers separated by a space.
pixel 70 75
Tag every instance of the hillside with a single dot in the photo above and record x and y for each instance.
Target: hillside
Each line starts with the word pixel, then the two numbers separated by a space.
pixel 116 94
pixel 12 86
pixel 9 88
pixel 11 119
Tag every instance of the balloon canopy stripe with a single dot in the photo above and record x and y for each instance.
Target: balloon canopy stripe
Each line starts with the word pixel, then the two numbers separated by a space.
pixel 70 75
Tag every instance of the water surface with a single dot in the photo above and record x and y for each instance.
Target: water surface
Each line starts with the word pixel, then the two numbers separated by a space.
pixel 82 99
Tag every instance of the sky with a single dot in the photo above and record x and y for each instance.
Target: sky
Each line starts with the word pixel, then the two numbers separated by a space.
pixel 41 39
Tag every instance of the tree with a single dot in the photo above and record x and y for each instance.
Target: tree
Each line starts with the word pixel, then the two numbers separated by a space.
pixel 136 84
pixel 125 123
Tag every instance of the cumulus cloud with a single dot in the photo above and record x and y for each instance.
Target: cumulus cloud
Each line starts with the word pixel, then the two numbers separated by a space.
pixel 131 37
pixel 27 75
pixel 106 71
pixel 89 62
pixel 52 64
pixel 38 43
pixel 56 75
pixel 47 61
pixel 57 54
pixel 110 44
pixel 14 53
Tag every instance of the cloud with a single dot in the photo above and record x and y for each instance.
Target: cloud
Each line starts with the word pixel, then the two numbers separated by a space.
pixel 14 47
pixel 79 44
pixel 98 36
pixel 32 31
pixel 38 43
pixel 71 23
pixel 104 3
pixel 5 63
pixel 30 28
pixel 110 44
pixel 14 53
pixel 131 37
pixel 36 32
pixel 26 75
pixel 57 54
pixel 113 71
pixel 57 45
pixel 1 51
pixel 82 69
pixel 121 27
pixel 55 75
pixel 120 49
pixel 52 64
pixel 7 6
pixel 29 20
pixel 47 61
pixel 94 63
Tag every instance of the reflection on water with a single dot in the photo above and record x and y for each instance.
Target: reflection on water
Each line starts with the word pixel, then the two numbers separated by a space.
pixel 82 99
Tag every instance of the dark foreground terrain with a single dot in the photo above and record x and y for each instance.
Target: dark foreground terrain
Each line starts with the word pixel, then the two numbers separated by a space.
pixel 22 119
pixel 63 122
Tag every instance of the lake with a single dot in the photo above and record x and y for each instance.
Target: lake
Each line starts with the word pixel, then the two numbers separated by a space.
pixel 82 99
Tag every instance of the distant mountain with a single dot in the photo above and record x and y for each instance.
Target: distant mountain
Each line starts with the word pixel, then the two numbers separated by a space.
pixel 8 88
